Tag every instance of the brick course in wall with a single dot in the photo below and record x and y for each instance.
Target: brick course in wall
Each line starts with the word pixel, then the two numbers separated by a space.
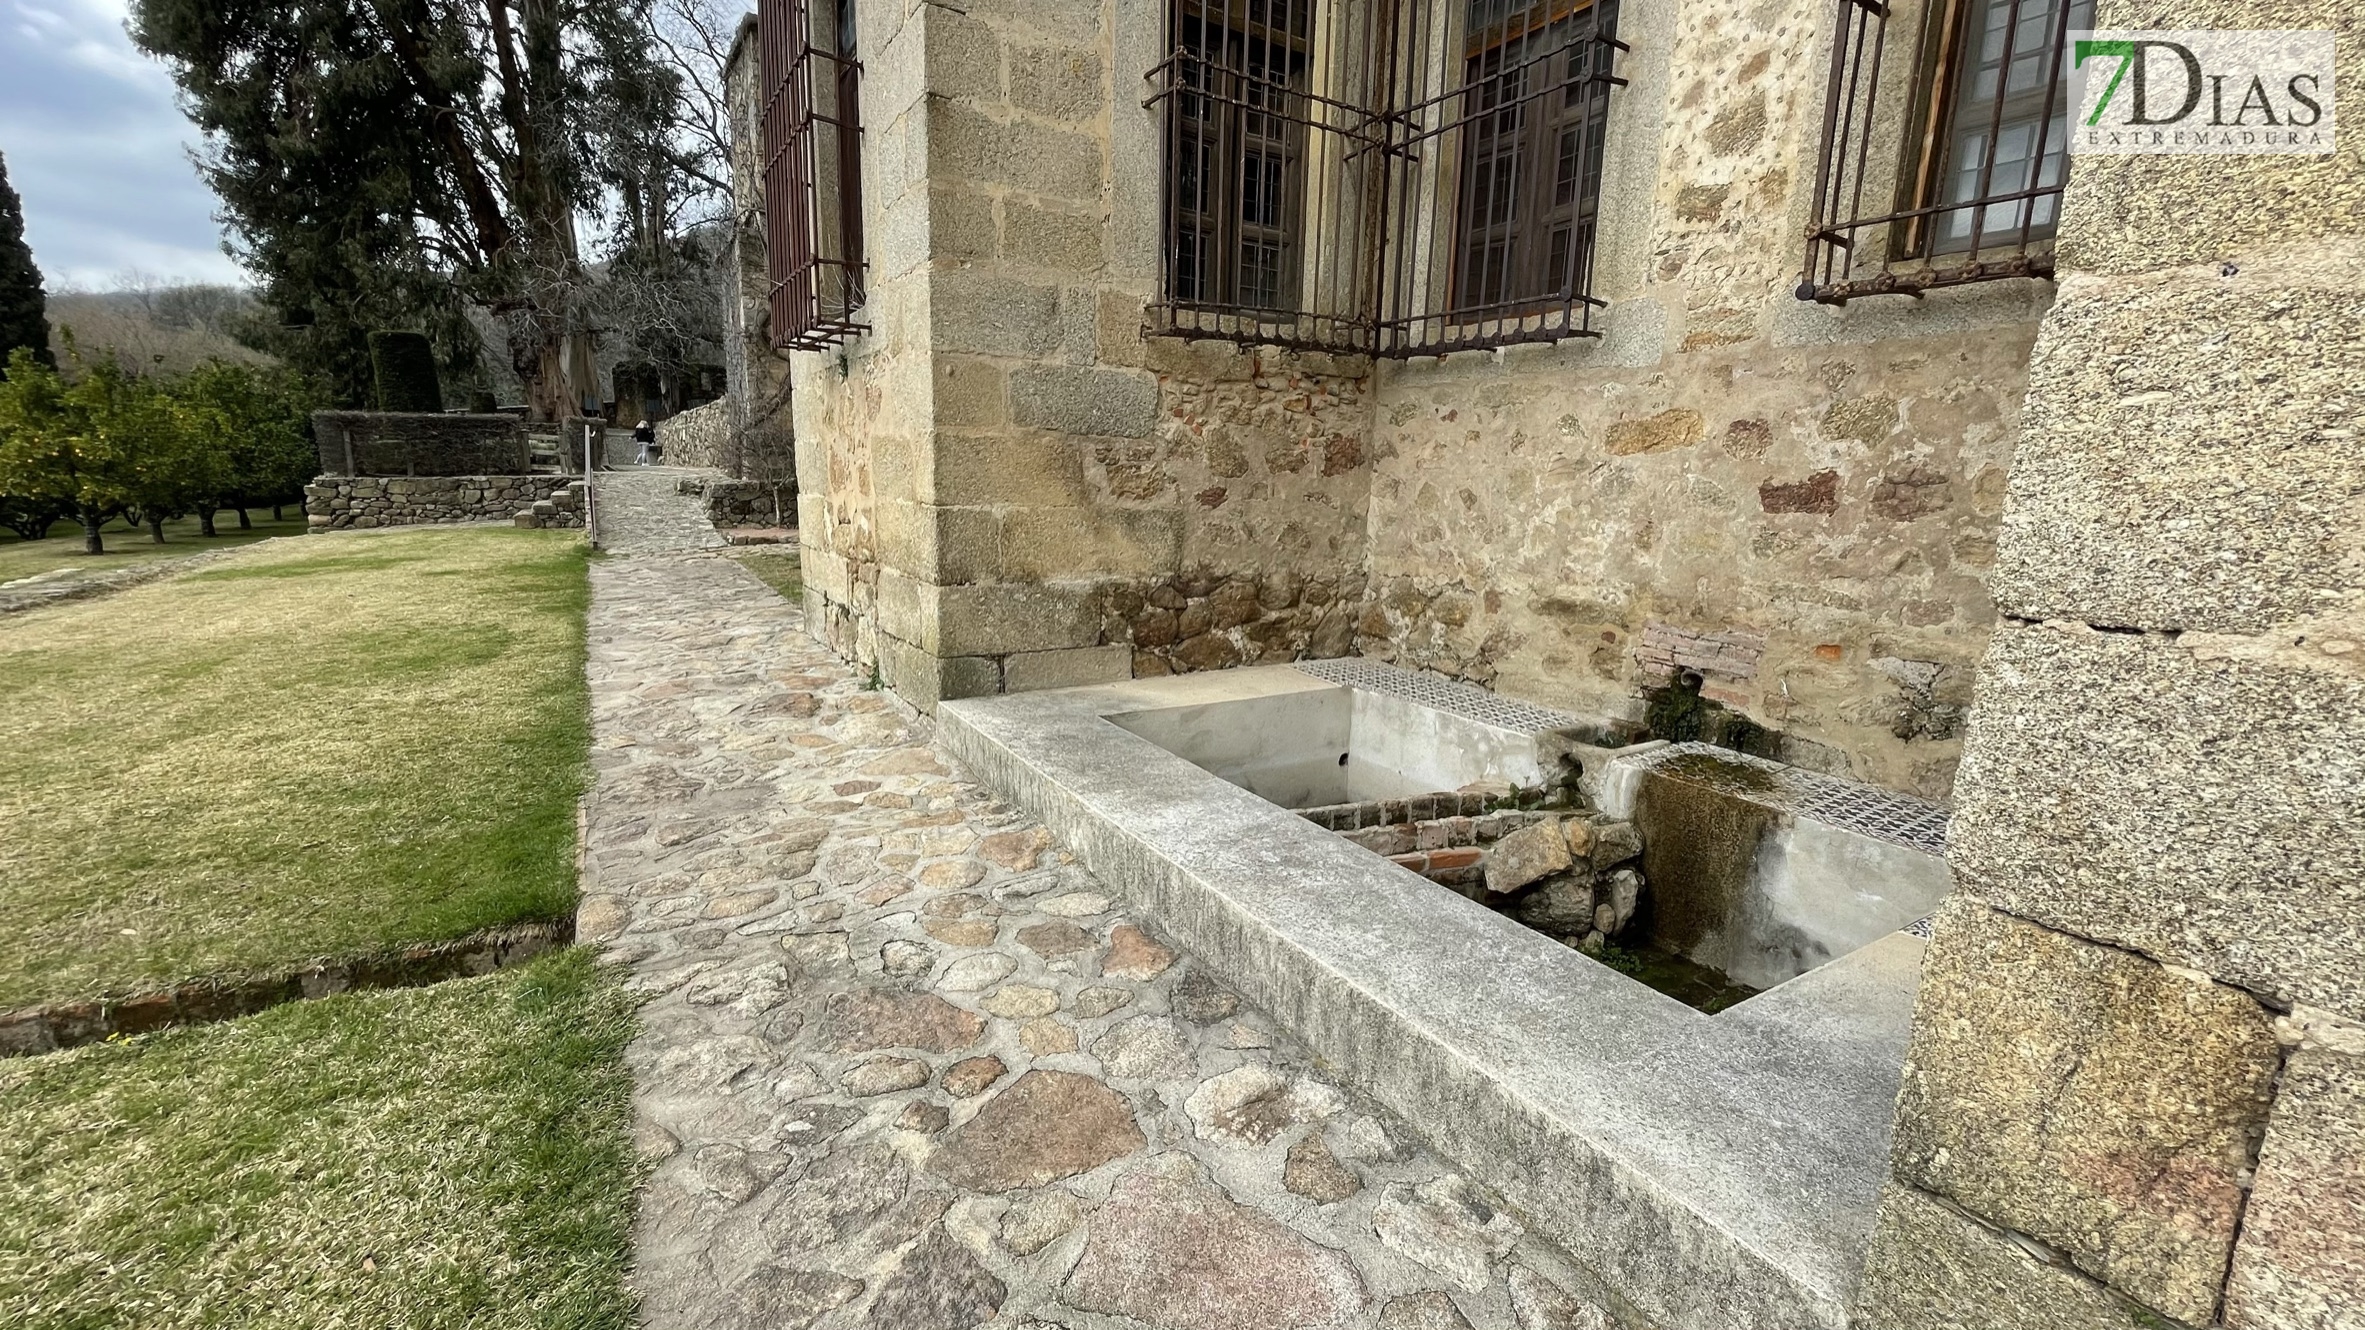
pixel 1666 648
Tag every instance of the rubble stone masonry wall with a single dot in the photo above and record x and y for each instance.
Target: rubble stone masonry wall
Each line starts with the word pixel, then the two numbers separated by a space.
pixel 700 436
pixel 1725 463
pixel 334 503
pixel 1005 467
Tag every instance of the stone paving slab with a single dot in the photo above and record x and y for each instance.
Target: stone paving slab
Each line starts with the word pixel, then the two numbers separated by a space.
pixel 641 510
pixel 905 1064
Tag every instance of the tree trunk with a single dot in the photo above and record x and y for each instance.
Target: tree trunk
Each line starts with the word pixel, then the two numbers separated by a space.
pixel 274 512
pixel 205 522
pixel 243 523
pixel 91 543
pixel 156 529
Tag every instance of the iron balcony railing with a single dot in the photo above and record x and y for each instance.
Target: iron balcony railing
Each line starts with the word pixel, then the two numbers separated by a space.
pixel 1424 181
pixel 812 170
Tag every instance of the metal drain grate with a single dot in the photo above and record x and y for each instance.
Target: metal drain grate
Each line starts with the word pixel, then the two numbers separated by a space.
pixel 1900 819
pixel 1451 695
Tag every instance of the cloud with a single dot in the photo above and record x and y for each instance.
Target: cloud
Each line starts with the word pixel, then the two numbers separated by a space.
pixel 99 151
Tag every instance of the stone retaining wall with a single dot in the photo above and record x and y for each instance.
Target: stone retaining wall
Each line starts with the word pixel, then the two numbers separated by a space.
pixel 736 503
pixel 333 503
pixel 700 436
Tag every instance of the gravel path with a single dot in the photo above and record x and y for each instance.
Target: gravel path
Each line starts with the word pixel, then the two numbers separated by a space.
pixel 641 510
pixel 906 1065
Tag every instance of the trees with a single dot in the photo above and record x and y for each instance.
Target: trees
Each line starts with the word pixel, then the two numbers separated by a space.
pixel 112 443
pixel 252 420
pixel 149 327
pixel 31 519
pixel 385 163
pixel 23 321
pixel 77 446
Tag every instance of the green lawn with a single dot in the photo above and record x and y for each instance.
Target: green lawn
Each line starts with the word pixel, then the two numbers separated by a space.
pixel 130 545
pixel 437 1157
pixel 778 565
pixel 331 746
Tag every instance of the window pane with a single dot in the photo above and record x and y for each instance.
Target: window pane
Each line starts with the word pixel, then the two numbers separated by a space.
pixel 1236 142
pixel 2012 121
pixel 1531 144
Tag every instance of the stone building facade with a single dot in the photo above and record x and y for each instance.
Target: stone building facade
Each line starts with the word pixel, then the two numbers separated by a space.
pixel 2136 1092
pixel 2126 507
pixel 757 439
pixel 1008 485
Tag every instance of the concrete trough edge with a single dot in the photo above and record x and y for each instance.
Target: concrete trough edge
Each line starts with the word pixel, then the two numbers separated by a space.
pixel 1649 1246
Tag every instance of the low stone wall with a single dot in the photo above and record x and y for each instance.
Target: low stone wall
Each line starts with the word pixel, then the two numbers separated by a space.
pixel 414 443
pixel 700 436
pixel 740 503
pixel 333 503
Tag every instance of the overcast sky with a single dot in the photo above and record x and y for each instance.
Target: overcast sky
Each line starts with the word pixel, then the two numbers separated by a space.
pixel 98 150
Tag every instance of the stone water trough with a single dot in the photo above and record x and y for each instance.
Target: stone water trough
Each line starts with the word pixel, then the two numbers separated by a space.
pixel 1463 903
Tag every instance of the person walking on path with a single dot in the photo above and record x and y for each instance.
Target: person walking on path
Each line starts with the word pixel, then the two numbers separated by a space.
pixel 645 434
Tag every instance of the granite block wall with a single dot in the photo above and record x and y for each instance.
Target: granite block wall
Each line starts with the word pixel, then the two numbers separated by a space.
pixel 2132 1095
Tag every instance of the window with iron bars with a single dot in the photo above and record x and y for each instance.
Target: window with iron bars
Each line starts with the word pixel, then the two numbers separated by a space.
pixel 1407 177
pixel 812 170
pixel 1952 173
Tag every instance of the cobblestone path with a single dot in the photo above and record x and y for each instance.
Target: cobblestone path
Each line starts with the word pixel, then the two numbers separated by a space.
pixel 906 1065
pixel 641 510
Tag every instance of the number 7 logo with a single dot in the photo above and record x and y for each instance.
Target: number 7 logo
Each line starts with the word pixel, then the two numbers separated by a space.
pixel 2125 50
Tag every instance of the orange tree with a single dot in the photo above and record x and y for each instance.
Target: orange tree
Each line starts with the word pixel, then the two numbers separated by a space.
pixel 104 443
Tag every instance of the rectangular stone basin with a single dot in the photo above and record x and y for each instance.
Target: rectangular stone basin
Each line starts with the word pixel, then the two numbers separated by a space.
pixel 1716 1172
pixel 1305 747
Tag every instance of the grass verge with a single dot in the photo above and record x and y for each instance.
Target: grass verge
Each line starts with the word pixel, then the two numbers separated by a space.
pixel 435 1157
pixel 127 546
pixel 778 565
pixel 331 746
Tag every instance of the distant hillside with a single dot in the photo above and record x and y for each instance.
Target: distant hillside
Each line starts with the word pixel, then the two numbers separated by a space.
pixel 154 327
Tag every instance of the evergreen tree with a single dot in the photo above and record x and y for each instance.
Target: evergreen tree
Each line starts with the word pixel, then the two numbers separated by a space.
pixel 23 308
pixel 384 164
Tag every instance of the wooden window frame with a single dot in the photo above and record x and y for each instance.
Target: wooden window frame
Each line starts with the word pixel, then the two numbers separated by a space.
pixel 1225 112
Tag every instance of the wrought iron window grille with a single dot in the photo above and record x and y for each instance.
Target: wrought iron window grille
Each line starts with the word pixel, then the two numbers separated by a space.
pixel 1954 173
pixel 1423 181
pixel 812 171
